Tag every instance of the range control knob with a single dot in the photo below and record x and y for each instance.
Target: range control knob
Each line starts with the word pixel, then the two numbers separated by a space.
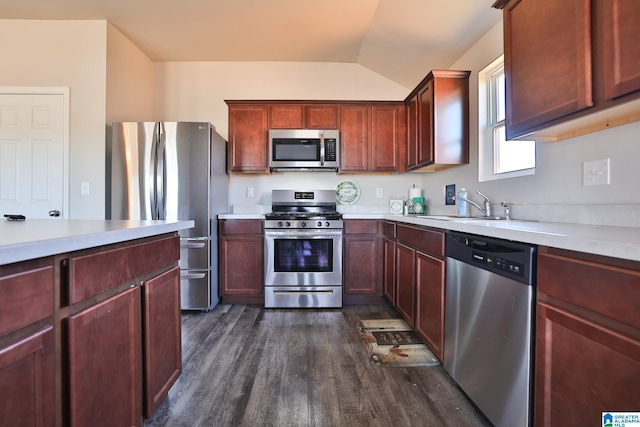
pixel 327 224
pixel 303 224
pixel 279 223
pixel 287 224
pixel 319 223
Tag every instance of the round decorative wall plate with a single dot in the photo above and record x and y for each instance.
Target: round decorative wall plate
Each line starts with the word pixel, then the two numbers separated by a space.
pixel 396 206
pixel 347 192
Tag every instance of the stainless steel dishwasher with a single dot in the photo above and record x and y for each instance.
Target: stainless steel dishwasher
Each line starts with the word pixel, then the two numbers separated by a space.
pixel 488 324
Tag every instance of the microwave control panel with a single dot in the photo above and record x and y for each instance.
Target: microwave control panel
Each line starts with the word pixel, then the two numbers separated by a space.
pixel 330 150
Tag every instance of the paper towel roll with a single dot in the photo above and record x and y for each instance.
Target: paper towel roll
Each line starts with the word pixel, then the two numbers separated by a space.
pixel 415 192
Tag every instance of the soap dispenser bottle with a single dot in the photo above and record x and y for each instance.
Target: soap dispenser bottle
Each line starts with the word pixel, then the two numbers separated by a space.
pixel 463 205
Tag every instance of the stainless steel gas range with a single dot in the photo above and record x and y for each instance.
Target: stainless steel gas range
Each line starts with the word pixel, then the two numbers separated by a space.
pixel 303 250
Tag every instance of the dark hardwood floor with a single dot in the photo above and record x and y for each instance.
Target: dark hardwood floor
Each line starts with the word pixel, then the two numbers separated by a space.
pixel 250 366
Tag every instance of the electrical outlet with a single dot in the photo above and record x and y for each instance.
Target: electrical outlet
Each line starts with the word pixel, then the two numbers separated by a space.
pixel 379 192
pixel 85 189
pixel 249 191
pixel 449 195
pixel 596 172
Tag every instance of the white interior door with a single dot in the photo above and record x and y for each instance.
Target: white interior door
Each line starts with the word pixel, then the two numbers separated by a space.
pixel 32 133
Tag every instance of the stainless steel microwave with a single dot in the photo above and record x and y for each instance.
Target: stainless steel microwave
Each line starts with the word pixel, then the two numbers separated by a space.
pixel 304 150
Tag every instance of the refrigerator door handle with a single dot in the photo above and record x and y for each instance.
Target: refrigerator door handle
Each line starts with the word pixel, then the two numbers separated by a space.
pixel 192 276
pixel 153 193
pixel 161 174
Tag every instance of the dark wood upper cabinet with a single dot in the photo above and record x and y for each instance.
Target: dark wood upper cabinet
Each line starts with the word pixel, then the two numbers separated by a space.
pixel 286 117
pixel 437 117
pixel 372 137
pixel 354 138
pixel 248 143
pixel 621 50
pixel 321 116
pixel 572 67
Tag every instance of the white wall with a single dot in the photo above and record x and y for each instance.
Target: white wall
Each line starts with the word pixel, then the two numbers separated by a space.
pixel 196 91
pixel 555 192
pixel 129 80
pixel 66 54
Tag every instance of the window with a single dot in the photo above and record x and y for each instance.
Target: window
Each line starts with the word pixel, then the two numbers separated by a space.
pixel 499 158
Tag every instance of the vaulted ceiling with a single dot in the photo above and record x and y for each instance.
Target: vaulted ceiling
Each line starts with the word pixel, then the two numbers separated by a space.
pixel 399 39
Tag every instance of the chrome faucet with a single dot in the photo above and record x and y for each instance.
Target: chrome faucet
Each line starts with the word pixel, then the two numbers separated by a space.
pixel 486 211
pixel 507 210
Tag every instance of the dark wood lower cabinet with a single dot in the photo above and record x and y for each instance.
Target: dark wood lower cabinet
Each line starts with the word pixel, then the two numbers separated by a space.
pixel 405 278
pixel 583 369
pixel 27 381
pixel 430 289
pixel 105 357
pixel 362 266
pixel 78 347
pixel 162 337
pixel 587 338
pixel 389 278
pixel 420 282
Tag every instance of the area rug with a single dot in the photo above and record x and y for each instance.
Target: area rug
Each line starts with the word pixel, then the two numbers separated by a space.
pixel 392 342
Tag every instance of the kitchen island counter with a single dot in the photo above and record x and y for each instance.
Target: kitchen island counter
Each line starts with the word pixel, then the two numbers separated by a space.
pixel 37 238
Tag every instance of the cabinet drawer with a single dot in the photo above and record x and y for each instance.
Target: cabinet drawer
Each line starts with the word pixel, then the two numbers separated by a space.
pixel 611 291
pixel 422 239
pixel 361 226
pixel 98 271
pixel 26 296
pixel 389 229
pixel 241 226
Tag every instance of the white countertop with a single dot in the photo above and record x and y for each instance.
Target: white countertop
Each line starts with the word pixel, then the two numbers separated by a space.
pixel 36 238
pixel 616 242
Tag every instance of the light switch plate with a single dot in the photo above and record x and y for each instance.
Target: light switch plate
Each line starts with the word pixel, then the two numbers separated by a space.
pixel 596 172
pixel 379 192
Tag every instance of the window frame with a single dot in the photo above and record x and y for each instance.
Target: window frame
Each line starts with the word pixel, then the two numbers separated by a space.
pixel 487 123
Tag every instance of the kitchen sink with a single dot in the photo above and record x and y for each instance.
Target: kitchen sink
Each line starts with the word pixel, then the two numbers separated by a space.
pixel 472 218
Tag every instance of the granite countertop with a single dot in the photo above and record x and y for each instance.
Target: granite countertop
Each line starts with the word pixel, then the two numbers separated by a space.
pixel 36 238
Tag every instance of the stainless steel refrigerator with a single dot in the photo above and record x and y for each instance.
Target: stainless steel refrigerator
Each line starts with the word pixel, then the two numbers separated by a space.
pixel 173 171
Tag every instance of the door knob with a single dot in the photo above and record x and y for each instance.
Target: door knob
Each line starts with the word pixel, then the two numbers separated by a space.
pixel 54 212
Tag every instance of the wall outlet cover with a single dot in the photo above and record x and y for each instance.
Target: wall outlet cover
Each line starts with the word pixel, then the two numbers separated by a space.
pixel 450 193
pixel 596 172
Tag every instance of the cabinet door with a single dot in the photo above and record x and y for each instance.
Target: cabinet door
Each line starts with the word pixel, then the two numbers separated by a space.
pixel 162 337
pixel 248 146
pixel 405 282
pixel 321 117
pixel 286 117
pixel 582 370
pixel 360 268
pixel 27 381
pixel 413 133
pixel 242 265
pixel 425 120
pixel 354 138
pixel 547 61
pixel 621 48
pixel 430 273
pixel 105 386
pixel 389 278
pixel 387 125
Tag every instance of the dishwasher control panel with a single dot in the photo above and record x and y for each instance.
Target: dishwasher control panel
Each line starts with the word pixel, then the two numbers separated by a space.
pixel 497 263
pixel 508 259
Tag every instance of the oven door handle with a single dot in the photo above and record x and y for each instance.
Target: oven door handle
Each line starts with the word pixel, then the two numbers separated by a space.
pixel 300 234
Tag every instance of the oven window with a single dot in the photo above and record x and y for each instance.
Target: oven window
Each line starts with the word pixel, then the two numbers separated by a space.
pixel 303 255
